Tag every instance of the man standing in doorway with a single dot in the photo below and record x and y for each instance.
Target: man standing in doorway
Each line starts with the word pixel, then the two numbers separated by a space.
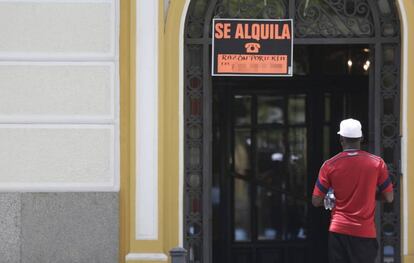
pixel 356 178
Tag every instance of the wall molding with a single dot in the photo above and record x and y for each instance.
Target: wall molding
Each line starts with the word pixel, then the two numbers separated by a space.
pixel 146 190
pixel 404 170
pixel 54 119
pixel 181 126
pixel 57 57
pixel 58 1
pixel 146 257
pixel 57 188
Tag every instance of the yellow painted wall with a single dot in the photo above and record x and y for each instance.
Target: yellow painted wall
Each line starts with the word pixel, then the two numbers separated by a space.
pixel 128 244
pixel 169 130
pixel 125 121
pixel 409 9
pixel 171 122
pixel 144 246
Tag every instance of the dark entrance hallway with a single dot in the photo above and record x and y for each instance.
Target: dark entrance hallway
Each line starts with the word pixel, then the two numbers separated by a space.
pixel 271 135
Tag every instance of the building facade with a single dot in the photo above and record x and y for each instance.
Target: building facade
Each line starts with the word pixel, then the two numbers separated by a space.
pixel 118 145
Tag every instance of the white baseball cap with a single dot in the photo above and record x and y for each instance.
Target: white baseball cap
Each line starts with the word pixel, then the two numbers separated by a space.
pixel 350 128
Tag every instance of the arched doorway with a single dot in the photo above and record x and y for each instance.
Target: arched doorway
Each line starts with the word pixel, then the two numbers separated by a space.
pixel 368 24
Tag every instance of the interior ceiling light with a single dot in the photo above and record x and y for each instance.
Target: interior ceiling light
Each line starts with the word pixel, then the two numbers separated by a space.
pixel 366 65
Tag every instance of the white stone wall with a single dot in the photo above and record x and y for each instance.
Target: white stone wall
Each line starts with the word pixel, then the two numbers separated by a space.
pixel 59 95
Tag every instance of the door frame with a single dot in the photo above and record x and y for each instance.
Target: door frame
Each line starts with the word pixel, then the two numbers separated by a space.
pixel 386 139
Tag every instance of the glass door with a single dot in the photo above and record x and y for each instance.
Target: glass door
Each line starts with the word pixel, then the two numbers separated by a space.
pixel 268 146
pixel 268 174
pixel 264 186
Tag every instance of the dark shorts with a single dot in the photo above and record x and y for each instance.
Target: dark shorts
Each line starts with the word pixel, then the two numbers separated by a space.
pixel 351 249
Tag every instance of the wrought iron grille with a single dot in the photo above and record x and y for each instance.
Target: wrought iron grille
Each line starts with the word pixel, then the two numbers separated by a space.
pixel 334 18
pixel 372 22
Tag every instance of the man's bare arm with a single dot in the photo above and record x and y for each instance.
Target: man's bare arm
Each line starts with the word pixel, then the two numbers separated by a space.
pixel 387 197
pixel 317 201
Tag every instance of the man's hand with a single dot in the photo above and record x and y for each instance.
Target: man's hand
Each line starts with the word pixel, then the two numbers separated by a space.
pixel 387 197
pixel 317 201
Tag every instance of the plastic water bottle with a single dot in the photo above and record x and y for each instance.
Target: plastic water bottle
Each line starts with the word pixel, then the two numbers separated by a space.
pixel 329 200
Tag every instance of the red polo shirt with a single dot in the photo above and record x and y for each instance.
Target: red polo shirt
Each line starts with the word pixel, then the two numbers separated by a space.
pixel 354 176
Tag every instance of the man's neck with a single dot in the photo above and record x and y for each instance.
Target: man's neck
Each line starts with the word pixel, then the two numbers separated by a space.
pixel 351 148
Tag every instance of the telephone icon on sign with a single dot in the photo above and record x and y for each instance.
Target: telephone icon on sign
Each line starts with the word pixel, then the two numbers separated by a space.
pixel 252 47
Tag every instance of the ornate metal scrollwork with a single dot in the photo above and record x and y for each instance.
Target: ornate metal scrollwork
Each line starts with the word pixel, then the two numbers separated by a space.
pixel 251 9
pixel 390 149
pixel 193 141
pixel 195 19
pixel 334 18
